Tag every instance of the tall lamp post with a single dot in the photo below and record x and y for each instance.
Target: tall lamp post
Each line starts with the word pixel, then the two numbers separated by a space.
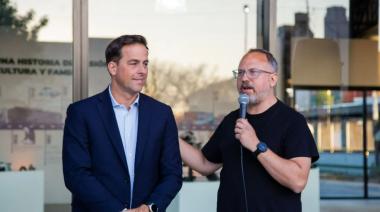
pixel 246 11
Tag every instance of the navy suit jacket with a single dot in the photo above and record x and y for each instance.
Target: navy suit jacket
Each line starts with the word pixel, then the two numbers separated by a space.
pixel 94 164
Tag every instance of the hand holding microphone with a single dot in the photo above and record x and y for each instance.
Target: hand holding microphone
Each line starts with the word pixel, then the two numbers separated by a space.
pixel 244 132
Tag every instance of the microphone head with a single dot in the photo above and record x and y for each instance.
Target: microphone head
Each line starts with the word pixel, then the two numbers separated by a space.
pixel 243 99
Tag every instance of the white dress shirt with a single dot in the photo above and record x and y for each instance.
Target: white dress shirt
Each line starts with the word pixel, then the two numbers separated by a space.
pixel 127 121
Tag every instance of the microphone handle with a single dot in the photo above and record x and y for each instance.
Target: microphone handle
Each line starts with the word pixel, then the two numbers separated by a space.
pixel 243 110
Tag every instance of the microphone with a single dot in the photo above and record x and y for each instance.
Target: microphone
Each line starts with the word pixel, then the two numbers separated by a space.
pixel 243 101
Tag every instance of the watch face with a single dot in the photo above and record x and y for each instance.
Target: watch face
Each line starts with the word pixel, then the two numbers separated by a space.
pixel 154 207
pixel 262 147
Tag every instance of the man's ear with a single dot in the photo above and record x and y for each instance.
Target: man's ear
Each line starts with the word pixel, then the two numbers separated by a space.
pixel 112 68
pixel 273 80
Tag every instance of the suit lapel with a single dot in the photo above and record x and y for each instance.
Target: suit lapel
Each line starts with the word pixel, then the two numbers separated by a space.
pixel 143 128
pixel 110 123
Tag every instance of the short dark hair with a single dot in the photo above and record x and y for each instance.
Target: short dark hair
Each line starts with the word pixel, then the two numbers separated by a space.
pixel 113 50
pixel 271 60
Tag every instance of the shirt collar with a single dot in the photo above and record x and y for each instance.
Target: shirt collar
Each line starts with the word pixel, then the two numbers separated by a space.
pixel 116 104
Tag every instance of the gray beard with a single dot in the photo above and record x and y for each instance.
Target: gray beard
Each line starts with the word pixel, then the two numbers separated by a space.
pixel 253 100
pixel 259 97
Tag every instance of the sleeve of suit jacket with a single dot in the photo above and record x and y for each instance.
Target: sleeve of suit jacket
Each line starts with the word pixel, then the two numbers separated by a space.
pixel 170 166
pixel 77 166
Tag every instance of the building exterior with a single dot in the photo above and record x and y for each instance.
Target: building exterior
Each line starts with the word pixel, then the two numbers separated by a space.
pixel 328 63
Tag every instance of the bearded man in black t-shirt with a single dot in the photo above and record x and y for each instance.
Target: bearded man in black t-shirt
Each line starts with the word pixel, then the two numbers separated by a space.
pixel 266 157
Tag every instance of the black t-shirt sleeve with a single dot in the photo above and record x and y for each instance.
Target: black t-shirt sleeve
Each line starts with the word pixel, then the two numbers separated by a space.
pixel 299 141
pixel 212 149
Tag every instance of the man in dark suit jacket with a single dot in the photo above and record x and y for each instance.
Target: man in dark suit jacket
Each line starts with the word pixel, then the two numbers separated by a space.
pixel 120 147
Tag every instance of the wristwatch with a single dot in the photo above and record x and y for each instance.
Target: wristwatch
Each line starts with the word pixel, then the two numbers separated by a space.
pixel 153 207
pixel 260 148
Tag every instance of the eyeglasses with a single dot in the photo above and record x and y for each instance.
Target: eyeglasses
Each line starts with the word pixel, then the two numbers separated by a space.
pixel 252 73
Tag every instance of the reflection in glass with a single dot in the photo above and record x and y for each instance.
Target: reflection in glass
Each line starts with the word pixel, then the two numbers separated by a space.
pixel 193 45
pixel 334 117
pixel 326 53
pixel 373 132
pixel 35 88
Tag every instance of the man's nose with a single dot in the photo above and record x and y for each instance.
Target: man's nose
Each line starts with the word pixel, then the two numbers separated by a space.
pixel 143 69
pixel 244 77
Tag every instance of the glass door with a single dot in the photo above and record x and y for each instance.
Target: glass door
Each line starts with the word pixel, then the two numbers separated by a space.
pixel 35 90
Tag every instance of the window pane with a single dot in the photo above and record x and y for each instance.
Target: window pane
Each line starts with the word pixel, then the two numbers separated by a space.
pixel 193 48
pixel 335 120
pixel 329 45
pixel 373 145
pixel 35 90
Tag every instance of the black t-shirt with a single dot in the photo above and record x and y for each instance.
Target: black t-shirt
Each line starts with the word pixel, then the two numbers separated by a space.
pixel 286 133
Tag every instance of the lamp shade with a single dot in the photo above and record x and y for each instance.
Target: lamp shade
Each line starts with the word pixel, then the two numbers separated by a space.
pixel 316 62
pixel 342 62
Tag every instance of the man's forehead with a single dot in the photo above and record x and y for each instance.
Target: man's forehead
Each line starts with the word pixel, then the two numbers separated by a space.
pixel 133 50
pixel 255 58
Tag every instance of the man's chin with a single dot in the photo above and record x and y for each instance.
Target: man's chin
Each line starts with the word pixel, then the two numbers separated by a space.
pixel 139 87
pixel 136 90
pixel 253 99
